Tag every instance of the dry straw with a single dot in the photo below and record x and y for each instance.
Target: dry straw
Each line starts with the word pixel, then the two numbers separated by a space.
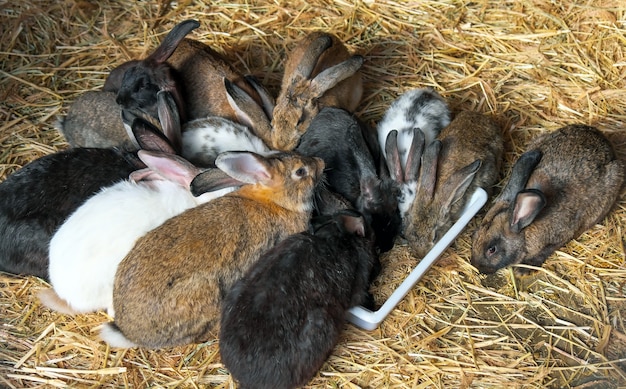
pixel 535 64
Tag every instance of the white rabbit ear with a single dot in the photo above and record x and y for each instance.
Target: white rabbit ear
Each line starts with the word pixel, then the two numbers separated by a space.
pixel 528 203
pixel 145 175
pixel 170 167
pixel 246 167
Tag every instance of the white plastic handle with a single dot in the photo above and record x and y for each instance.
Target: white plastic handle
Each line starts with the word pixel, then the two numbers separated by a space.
pixel 368 320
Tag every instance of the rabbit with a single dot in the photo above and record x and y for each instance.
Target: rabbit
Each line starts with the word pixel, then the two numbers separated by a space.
pixel 467 154
pixel 83 260
pixel 193 73
pixel 37 198
pixel 422 109
pixel 168 289
pixel 336 136
pixel 203 139
pixel 319 73
pixel 281 321
pixel 94 119
pixel 565 183
pixel 40 196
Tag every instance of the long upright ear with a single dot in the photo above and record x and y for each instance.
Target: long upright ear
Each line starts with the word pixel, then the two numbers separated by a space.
pixel 520 173
pixel 456 186
pixel 393 156
pixel 413 162
pixel 212 180
pixel 169 166
pixel 171 41
pixel 528 203
pixel 428 174
pixel 335 74
pixel 150 138
pixel 309 59
pixel 246 167
pixel 267 100
pixel 248 111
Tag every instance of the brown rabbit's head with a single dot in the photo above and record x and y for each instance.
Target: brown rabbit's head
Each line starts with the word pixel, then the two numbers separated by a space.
pixel 285 179
pixel 499 240
pixel 319 72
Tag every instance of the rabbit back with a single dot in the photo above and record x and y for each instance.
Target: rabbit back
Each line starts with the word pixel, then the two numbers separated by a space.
pixel 282 320
pixel 548 205
pixel 37 198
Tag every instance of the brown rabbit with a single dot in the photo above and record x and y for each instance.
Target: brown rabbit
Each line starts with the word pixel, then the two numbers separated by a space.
pixel 567 182
pixel 169 288
pixel 320 72
pixel 466 155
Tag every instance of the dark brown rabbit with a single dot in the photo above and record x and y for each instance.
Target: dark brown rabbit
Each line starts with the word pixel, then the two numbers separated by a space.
pixel 169 288
pixel 319 72
pixel 466 155
pixel 567 182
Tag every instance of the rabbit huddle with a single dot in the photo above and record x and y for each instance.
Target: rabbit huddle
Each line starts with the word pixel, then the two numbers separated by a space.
pixel 192 203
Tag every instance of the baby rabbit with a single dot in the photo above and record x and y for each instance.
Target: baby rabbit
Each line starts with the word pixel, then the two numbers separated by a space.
pixel 83 259
pixel 336 136
pixel 168 289
pixel 281 321
pixel 567 182
pixel 319 73
pixel 466 155
pixel 422 109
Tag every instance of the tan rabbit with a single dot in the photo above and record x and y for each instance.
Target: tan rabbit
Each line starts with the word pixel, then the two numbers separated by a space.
pixel 169 288
pixel 320 72
pixel 466 155
pixel 567 182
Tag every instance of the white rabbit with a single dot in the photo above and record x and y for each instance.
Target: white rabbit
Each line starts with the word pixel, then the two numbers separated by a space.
pixel 87 249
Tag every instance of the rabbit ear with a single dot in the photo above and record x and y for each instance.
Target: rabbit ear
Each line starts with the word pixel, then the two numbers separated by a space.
pixel 246 167
pixel 353 223
pixel 148 137
pixel 247 110
pixel 267 100
pixel 334 75
pixel 414 159
pixel 393 156
pixel 169 166
pixel 456 186
pixel 520 173
pixel 528 203
pixel 428 174
pixel 114 79
pixel 169 118
pixel 311 56
pixel 212 180
pixel 171 41
pixel 145 175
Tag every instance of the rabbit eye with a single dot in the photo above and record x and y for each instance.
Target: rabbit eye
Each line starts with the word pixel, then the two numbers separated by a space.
pixel 492 250
pixel 301 172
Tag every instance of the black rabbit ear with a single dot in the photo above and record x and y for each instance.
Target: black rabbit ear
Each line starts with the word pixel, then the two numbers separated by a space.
pixel 169 118
pixel 150 138
pixel 334 75
pixel 520 173
pixel 172 40
pixel 528 203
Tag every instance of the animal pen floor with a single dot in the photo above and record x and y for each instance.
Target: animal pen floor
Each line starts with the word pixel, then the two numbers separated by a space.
pixel 534 64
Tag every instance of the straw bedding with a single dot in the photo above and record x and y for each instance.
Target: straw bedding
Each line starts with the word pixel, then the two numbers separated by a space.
pixel 535 64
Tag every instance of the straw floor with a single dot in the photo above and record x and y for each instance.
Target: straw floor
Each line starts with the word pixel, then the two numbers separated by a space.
pixel 535 64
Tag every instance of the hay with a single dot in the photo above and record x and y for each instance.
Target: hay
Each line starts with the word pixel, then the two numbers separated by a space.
pixel 535 64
